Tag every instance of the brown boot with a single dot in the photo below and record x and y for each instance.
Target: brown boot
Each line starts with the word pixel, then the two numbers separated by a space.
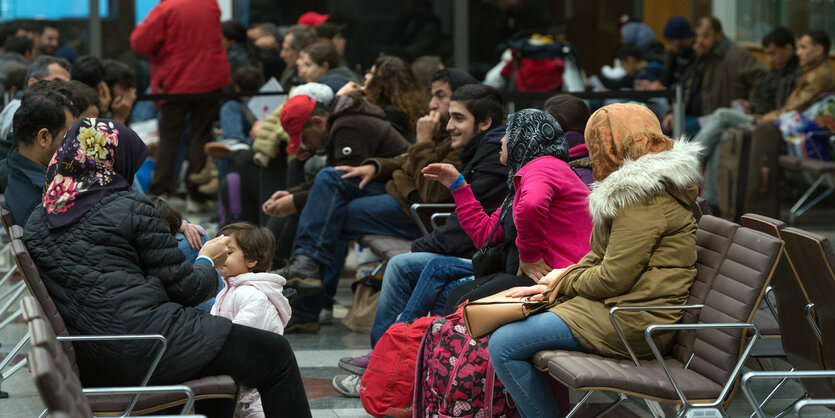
pixel 209 188
pixel 205 175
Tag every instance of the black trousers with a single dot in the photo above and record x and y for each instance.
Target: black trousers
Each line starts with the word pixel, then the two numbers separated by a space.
pixel 256 186
pixel 483 287
pixel 262 360
pixel 284 229
pixel 201 114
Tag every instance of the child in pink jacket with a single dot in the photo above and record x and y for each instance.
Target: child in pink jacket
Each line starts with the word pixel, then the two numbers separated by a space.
pixel 252 297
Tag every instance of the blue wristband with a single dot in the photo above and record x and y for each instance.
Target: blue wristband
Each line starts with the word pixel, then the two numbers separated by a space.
pixel 457 183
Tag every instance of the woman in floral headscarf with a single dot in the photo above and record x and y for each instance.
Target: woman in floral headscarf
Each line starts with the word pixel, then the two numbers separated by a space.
pixel 112 267
pixel 546 198
pixel 643 252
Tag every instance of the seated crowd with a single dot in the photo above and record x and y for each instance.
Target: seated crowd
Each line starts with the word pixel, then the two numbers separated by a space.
pixel 593 207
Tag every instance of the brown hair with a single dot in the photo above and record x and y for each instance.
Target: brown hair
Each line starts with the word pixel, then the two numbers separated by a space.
pixel 395 84
pixel 170 216
pixel 323 52
pixel 248 79
pixel 570 112
pixel 257 243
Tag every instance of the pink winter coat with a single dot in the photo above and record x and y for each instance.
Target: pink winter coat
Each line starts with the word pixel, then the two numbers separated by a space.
pixel 550 212
pixel 254 300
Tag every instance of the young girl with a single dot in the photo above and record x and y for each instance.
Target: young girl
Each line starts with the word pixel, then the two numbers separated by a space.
pixel 251 296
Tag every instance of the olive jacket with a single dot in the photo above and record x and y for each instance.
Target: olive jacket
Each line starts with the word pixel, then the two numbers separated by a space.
pixel 643 252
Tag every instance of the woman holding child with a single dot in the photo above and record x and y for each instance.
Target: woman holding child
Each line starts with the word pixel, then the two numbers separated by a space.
pixel 112 267
pixel 643 252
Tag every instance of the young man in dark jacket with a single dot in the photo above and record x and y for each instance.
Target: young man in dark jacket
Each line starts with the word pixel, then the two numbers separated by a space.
pixel 477 121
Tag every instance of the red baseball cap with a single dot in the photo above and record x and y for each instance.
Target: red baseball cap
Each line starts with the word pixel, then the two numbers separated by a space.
pixel 312 19
pixel 294 115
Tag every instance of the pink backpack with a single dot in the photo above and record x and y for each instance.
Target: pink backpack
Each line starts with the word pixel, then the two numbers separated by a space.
pixel 454 377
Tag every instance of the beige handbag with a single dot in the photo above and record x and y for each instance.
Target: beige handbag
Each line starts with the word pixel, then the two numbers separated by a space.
pixel 485 315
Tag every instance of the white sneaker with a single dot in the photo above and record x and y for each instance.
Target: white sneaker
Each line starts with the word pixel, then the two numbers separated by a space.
pixel 347 385
pixel 234 145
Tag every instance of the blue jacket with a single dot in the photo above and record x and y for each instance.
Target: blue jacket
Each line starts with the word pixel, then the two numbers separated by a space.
pixel 25 189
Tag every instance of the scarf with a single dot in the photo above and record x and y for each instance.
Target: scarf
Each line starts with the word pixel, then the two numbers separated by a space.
pixel 619 131
pixel 530 134
pixel 97 157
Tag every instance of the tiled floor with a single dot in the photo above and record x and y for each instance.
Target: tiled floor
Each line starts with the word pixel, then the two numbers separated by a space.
pixel 317 355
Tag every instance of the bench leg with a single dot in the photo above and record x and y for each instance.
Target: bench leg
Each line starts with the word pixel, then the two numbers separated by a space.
pixel 579 405
pixel 799 208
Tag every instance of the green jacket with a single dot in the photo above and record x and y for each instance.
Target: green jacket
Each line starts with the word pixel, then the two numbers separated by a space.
pixel 643 252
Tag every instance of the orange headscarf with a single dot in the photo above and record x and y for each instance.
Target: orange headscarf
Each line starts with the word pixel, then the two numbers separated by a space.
pixel 619 131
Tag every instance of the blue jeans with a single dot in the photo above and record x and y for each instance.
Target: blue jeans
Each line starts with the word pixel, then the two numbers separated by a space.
pixel 511 348
pixel 233 123
pixel 710 135
pixel 414 284
pixel 308 308
pixel 337 209
pixel 440 276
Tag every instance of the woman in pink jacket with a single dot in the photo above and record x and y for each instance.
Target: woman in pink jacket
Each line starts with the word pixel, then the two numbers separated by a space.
pixel 547 200
pixel 251 297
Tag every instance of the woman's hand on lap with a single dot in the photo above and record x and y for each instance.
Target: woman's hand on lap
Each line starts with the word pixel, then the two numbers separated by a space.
pixel 549 278
pixel 521 291
pixel 535 270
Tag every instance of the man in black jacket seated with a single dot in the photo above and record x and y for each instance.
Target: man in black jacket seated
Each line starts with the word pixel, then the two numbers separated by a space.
pixel 44 116
pixel 448 249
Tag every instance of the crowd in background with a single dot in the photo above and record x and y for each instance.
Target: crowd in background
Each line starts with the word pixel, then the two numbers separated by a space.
pixel 341 155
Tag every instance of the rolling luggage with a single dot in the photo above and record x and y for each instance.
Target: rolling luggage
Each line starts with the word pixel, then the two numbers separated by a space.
pixel 748 171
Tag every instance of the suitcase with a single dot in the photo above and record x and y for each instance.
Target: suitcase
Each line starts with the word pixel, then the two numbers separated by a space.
pixel 747 171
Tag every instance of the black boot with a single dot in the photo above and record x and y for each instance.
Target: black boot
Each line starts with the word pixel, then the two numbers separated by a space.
pixel 303 274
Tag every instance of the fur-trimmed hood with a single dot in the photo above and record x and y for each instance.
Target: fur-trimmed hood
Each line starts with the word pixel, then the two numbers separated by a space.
pixel 674 170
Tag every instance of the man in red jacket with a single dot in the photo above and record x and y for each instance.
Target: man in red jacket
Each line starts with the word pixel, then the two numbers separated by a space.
pixel 182 38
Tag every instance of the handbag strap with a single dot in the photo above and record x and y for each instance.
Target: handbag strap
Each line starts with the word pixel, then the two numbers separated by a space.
pixel 499 223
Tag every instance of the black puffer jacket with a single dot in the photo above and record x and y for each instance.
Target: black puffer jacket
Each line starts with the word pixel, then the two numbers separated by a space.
pixel 118 271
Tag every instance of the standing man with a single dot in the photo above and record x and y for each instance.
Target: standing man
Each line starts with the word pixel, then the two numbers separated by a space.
pixel 183 40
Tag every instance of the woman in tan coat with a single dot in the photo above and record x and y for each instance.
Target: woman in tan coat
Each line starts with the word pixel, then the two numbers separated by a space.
pixel 643 252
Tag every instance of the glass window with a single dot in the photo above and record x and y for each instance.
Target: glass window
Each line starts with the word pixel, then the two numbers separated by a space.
pixel 747 21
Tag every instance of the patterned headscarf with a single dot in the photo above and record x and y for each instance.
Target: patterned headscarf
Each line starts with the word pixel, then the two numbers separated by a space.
pixel 532 134
pixel 619 131
pixel 98 157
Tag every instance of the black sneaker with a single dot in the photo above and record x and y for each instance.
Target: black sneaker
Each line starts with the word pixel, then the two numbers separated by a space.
pixel 303 274
pixel 301 326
